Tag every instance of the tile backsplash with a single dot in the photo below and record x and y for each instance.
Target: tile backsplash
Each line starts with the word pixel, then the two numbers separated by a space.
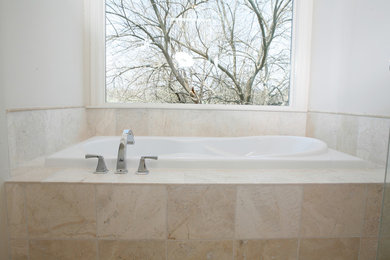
pixel 187 122
pixel 36 133
pixel 363 136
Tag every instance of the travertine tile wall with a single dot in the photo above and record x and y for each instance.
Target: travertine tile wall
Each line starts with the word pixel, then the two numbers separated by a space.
pixel 187 122
pixel 363 136
pixel 192 221
pixel 36 133
pixel 183 221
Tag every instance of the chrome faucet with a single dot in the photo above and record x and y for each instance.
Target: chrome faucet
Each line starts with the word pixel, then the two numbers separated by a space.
pixel 142 169
pixel 127 138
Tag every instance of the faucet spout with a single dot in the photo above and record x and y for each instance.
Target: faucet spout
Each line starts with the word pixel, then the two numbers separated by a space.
pixel 127 138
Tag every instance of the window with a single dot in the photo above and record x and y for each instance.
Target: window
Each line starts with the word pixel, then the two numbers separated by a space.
pixel 236 52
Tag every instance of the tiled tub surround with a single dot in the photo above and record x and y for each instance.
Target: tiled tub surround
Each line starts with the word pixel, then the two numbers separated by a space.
pixel 194 122
pixel 191 215
pixel 363 136
pixel 37 133
pixel 282 214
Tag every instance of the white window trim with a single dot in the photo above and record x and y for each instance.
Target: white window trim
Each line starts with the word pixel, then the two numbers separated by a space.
pixel 95 63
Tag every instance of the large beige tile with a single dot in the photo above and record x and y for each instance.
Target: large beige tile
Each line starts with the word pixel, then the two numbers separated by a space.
pixel 329 249
pixel 134 119
pixel 373 139
pixel 291 123
pixel 36 133
pixel 334 210
pixel 18 249
pixel 63 249
pixel 196 122
pixel 373 210
pixel 276 249
pixel 131 211
pixel 347 134
pixel 64 127
pixel 17 226
pixel 368 248
pixel 194 250
pixel 365 137
pixel 244 122
pixel 134 250
pixel 101 122
pixel 328 134
pixel 30 144
pixel 201 211
pixel 193 123
pixel 61 210
pixel 341 132
pixel 268 211
pixel 164 122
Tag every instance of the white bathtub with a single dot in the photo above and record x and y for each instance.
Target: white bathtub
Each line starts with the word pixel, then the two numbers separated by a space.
pixel 209 152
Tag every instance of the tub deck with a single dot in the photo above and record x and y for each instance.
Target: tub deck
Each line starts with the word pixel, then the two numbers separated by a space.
pixel 201 176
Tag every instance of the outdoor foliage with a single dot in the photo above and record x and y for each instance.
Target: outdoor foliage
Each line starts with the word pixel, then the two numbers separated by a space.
pixel 198 51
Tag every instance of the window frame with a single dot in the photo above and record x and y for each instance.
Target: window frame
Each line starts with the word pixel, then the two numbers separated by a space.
pixel 94 63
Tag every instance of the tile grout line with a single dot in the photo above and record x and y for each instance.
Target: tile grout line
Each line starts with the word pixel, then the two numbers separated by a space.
pixel 235 220
pixel 26 216
pixel 382 205
pixel 300 221
pixel 96 219
pixel 7 219
pixel 363 221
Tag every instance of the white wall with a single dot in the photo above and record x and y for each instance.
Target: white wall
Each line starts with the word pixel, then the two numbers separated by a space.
pixel 350 57
pixel 43 61
pixel 43 53
pixel 4 174
pixel 4 166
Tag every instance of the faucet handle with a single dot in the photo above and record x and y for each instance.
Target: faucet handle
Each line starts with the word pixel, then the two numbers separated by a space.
pixel 142 169
pixel 101 166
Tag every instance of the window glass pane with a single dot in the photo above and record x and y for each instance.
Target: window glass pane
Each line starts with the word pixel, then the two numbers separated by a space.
pixel 198 51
